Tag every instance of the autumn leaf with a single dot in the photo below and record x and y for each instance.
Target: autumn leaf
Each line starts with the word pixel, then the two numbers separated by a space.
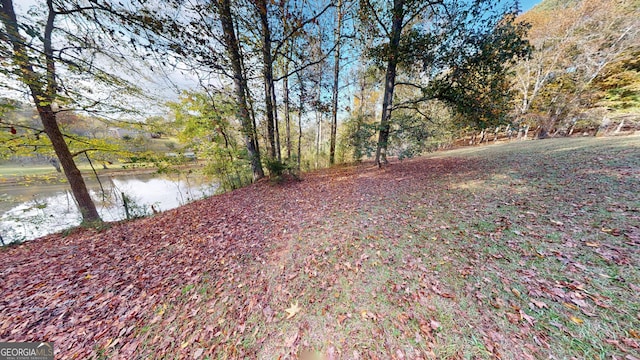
pixel 198 353
pixel 576 320
pixel 513 318
pixel 540 304
pixel 516 292
pixel 631 343
pixel 528 318
pixel 425 328
pixel 435 325
pixel 293 310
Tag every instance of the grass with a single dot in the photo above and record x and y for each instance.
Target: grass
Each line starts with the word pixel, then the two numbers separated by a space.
pixel 7 170
pixel 47 173
pixel 508 259
pixel 477 254
pixel 526 250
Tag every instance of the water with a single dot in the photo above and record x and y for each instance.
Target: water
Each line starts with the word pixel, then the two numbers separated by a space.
pixel 31 212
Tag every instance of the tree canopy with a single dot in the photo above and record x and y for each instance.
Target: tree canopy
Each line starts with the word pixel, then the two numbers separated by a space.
pixel 334 79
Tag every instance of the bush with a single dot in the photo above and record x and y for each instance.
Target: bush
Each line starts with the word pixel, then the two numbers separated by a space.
pixel 278 169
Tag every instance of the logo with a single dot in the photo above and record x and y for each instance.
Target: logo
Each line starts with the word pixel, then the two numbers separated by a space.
pixel 26 351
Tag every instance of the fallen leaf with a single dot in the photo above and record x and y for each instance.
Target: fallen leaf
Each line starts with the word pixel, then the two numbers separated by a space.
pixel 612 342
pixel 592 244
pixel 293 310
pixel 363 314
pixel 291 340
pixel 540 304
pixel 516 292
pixel 435 325
pixel 631 343
pixel 580 302
pixel 497 303
pixel 425 329
pixel 576 320
pixel 528 318
pixel 513 318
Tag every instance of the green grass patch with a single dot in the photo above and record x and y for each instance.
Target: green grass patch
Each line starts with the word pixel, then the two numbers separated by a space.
pixel 520 250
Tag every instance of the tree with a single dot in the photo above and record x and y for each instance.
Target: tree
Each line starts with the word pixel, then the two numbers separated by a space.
pixel 619 82
pixel 292 25
pixel 204 124
pixel 267 73
pixel 577 47
pixel 359 128
pixel 336 83
pixel 434 40
pixel 36 69
pixel 181 34
pixel 478 83
pixel 240 86
pixel 231 50
pixel 397 14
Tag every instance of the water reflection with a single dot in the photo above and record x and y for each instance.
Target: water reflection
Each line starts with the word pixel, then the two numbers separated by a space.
pixel 53 209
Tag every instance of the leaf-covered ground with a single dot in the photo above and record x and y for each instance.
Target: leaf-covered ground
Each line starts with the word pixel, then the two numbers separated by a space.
pixel 528 250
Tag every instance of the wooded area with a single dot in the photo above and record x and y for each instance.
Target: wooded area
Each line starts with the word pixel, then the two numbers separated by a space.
pixel 523 250
pixel 403 77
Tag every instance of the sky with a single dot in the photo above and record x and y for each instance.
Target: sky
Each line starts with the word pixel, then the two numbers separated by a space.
pixel 165 86
pixel 528 4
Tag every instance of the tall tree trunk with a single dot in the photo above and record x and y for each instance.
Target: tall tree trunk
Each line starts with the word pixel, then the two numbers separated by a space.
pixel 276 122
pixel 267 73
pixel 300 110
pixel 71 171
pixel 287 110
pixel 250 102
pixel 240 87
pixel 318 137
pixel 43 93
pixel 336 83
pixel 390 82
pixel 319 110
pixel 300 134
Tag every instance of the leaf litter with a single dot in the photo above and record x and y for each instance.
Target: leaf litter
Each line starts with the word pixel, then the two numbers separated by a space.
pixel 505 253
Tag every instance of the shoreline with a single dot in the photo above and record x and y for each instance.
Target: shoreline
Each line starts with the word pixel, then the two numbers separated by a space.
pixel 54 177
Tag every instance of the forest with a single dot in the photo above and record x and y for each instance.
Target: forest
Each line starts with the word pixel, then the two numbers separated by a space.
pixel 292 85
pixel 398 179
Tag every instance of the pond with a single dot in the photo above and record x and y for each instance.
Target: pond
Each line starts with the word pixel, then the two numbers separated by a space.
pixel 29 212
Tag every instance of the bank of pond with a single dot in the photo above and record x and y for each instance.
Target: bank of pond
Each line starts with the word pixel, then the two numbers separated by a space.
pixel 28 212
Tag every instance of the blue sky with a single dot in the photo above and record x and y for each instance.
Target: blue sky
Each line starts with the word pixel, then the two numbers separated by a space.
pixel 528 4
pixel 188 80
